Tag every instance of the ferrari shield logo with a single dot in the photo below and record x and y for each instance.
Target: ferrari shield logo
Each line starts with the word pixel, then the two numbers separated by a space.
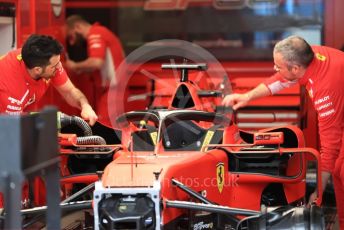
pixel 220 176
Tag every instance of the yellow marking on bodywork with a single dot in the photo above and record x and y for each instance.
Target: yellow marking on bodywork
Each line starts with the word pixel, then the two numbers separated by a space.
pixel 220 176
pixel 207 138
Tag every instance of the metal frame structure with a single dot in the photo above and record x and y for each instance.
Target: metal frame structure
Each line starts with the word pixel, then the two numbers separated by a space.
pixel 28 149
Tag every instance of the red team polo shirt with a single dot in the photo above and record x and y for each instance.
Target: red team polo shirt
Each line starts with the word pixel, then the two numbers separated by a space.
pixel 102 43
pixel 324 81
pixel 18 91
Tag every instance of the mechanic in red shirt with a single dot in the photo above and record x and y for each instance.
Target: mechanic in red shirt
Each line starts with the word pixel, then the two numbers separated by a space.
pixel 321 70
pixel 105 54
pixel 27 73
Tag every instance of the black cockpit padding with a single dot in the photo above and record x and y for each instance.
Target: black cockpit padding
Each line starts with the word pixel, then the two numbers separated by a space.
pixel 142 141
pixel 183 135
pixel 188 136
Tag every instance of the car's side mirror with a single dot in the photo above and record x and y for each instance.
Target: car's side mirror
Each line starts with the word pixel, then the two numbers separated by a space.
pixel 268 138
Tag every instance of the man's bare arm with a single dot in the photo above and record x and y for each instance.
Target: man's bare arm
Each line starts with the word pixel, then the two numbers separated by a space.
pixel 240 100
pixel 77 99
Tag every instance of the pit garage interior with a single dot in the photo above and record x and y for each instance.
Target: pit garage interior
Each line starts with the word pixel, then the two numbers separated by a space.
pixel 168 155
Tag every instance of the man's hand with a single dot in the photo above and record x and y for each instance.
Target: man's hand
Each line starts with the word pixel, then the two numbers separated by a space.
pixel 312 198
pixel 236 100
pixel 88 114
pixel 325 176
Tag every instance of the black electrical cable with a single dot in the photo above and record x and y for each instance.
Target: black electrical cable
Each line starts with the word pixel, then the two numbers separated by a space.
pixel 74 120
pixel 91 140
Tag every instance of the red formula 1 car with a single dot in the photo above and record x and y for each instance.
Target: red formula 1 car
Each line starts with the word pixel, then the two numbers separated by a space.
pixel 175 174
pixel 188 169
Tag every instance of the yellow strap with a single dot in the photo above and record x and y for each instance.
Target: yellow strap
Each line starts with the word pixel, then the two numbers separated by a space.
pixel 154 136
pixel 208 138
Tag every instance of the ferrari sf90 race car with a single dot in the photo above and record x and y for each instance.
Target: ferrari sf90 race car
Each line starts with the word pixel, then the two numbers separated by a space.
pixel 188 169
pixel 182 168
